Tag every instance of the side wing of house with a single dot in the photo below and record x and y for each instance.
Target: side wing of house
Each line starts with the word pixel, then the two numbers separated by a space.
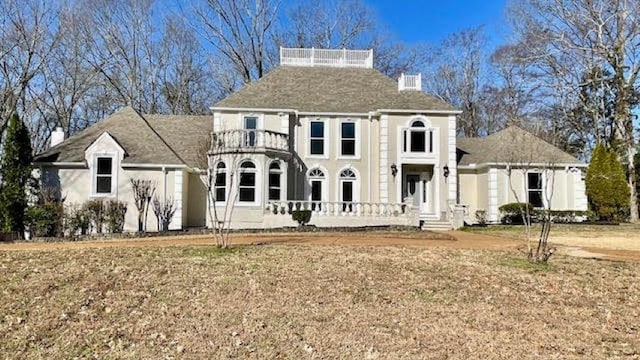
pixel 490 176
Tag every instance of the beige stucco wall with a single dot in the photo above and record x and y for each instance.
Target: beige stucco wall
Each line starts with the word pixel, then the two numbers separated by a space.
pixel 75 185
pixel 565 186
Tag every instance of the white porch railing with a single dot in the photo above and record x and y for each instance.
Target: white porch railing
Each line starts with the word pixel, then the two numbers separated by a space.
pixel 410 82
pixel 248 141
pixel 326 57
pixel 328 208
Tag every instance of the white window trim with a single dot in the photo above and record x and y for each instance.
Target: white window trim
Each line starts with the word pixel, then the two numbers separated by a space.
pixel 542 189
pixel 325 182
pixel 226 181
pixel 257 187
pixel 281 172
pixel 114 175
pixel 404 135
pixel 358 139
pixel 259 121
pixel 356 184
pixel 327 136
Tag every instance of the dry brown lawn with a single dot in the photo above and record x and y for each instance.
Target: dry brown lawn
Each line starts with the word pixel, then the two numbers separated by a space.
pixel 313 302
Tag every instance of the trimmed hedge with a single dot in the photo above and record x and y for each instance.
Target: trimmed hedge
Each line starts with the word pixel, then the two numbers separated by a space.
pixel 301 216
pixel 46 220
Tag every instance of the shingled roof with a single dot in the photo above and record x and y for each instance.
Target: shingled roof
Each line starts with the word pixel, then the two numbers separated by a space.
pixel 511 145
pixel 326 89
pixel 147 139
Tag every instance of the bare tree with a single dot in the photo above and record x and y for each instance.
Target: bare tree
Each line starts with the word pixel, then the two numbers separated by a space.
pixel 219 155
pixel 164 211
pixel 28 34
pixel 240 32
pixel 456 74
pixel 142 193
pixel 530 159
pixel 567 39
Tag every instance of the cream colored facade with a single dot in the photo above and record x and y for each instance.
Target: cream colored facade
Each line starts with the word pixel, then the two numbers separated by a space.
pixel 487 187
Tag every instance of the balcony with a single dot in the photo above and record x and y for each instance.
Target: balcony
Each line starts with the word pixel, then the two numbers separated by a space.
pixel 248 141
pixel 341 58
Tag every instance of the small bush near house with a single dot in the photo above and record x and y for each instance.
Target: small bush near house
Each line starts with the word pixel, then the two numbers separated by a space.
pixel 115 212
pixel 96 212
pixel 164 211
pixel 512 213
pixel 46 219
pixel 77 220
pixel 301 216
pixel 481 217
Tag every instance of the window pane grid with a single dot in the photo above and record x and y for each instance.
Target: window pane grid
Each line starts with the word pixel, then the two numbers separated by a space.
pixel 317 138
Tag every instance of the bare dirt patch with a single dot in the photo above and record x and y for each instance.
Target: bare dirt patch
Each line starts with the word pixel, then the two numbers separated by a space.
pixel 303 302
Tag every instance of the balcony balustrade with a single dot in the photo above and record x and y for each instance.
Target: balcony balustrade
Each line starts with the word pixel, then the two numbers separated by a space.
pixel 248 140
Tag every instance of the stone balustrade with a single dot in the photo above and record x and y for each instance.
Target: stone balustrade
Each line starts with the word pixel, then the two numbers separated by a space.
pixel 329 208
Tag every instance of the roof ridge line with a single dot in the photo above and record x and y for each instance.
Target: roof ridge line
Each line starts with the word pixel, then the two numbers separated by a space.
pixel 159 136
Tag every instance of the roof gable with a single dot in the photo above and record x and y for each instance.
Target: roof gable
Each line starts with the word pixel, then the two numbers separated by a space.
pixel 142 143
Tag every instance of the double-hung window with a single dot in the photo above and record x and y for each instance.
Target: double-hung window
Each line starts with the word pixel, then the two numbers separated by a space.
pixel 348 138
pixel 104 175
pixel 220 185
pixel 534 189
pixel 275 175
pixel 317 137
pixel 247 182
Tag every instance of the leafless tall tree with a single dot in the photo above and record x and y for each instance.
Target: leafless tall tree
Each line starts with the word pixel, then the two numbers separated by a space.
pixel 240 31
pixel 567 39
pixel 456 74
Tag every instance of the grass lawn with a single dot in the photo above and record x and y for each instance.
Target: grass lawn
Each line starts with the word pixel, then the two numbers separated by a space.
pixel 617 237
pixel 309 301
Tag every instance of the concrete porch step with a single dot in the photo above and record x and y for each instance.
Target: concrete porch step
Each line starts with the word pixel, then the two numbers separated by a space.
pixel 435 225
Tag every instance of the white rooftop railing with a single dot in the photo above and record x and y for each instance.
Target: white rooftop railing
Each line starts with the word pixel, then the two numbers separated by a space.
pixel 410 82
pixel 326 57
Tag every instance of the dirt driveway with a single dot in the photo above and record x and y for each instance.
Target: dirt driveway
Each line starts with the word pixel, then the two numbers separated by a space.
pixel 453 239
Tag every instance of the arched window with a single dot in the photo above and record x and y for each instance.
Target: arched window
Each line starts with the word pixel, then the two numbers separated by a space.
pixel 247 182
pixel 347 181
pixel 220 184
pixel 275 177
pixel 418 138
pixel 317 179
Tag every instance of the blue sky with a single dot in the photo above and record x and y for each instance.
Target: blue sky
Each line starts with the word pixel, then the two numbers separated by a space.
pixel 432 20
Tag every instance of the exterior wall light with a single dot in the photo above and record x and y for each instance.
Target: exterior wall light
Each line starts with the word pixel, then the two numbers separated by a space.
pixel 394 170
pixel 446 171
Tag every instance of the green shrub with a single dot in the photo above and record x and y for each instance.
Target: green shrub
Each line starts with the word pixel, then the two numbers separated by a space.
pixel 77 220
pixel 512 213
pixel 481 217
pixel 606 185
pixel 96 212
pixel 115 212
pixel 301 216
pixel 46 220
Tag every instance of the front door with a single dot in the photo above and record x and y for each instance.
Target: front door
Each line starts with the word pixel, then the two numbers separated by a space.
pixel 412 189
pixel 416 190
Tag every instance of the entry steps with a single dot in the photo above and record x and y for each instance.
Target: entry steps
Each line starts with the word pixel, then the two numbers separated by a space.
pixel 436 225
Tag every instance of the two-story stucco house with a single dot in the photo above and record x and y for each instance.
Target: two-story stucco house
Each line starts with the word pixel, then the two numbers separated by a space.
pixel 324 131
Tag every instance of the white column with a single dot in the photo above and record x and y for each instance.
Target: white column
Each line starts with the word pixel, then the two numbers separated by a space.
pixel 384 158
pixel 493 195
pixel 217 122
pixel 452 157
pixel 176 222
pixel 284 123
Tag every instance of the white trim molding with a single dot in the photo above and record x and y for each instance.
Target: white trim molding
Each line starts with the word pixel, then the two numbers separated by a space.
pixel 492 191
pixel 357 140
pixel 384 158
pixel 452 180
pixel 176 221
